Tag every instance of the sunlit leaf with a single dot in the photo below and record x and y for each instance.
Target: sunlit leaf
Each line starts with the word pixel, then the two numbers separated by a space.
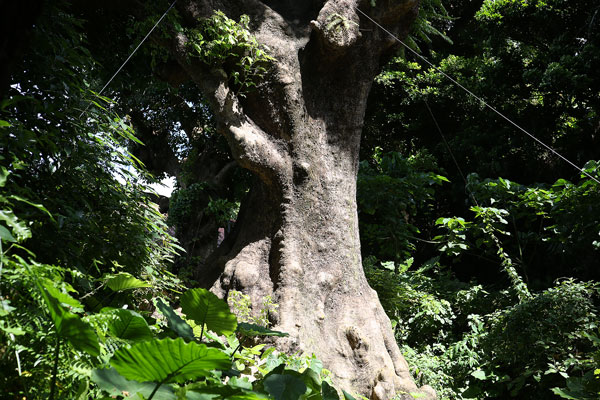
pixel 206 308
pixel 247 329
pixel 168 360
pixel 124 281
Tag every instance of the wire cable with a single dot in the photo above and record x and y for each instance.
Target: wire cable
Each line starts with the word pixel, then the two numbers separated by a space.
pixel 581 170
pixel 132 53
pixel 451 154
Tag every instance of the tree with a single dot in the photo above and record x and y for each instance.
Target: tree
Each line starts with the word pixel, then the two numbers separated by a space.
pixel 298 131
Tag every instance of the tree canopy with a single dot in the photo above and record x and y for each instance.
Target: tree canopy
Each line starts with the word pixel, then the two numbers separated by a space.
pixel 314 158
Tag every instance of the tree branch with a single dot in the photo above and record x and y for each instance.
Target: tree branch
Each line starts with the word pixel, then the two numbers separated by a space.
pixel 253 148
pixel 337 25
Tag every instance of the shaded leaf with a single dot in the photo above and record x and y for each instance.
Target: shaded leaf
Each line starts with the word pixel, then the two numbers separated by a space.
pixel 176 323
pixel 129 325
pixel 115 384
pixel 328 392
pixel 284 387
pixel 6 235
pixel 70 326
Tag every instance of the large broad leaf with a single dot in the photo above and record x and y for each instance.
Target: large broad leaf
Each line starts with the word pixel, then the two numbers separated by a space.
pixel 168 360
pixel 176 323
pixel 70 326
pixel 19 228
pixel 284 387
pixel 229 392
pixel 124 281
pixel 63 299
pixel 252 330
pixel 6 235
pixel 248 395
pixel 328 392
pixel 205 308
pixel 116 385
pixel 347 396
pixel 129 325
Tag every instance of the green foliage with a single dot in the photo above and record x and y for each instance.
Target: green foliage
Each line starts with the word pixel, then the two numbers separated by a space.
pixel 124 281
pixel 205 308
pixel 129 325
pixel 246 329
pixel 168 360
pixel 220 42
pixel 183 202
pixel 284 387
pixel 175 322
pixel 241 305
pixel 110 381
pixel 394 195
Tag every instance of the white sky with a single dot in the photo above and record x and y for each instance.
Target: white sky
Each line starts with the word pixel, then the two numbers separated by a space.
pixel 165 187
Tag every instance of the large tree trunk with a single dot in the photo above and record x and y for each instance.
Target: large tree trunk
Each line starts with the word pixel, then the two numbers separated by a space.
pixel 297 235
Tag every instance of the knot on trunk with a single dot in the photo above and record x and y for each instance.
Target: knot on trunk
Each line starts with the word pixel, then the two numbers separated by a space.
pixel 354 339
pixel 337 25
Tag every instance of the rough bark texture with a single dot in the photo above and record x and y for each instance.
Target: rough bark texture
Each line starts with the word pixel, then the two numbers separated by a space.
pixel 297 235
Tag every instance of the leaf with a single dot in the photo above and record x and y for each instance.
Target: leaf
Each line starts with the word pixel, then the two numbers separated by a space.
pixel 38 206
pixel 328 392
pixel 563 394
pixel 252 330
pixel 129 325
pixel 115 384
pixel 205 307
pixel 176 323
pixel 3 176
pixel 479 374
pixel 347 395
pixel 70 326
pixel 124 281
pixel 284 387
pixel 64 299
pixel 4 123
pixel 11 330
pixel 312 379
pixel 168 360
pixel 6 236
pixel 19 229
pixel 248 395
pixel 6 308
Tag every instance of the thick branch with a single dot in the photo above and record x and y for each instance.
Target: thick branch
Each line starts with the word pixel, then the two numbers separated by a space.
pixel 250 145
pixel 337 25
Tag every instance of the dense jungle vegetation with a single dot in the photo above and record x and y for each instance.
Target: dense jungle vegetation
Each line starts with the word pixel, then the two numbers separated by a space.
pixel 482 245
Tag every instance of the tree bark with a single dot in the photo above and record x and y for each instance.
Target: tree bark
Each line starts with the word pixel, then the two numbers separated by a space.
pixel 297 235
